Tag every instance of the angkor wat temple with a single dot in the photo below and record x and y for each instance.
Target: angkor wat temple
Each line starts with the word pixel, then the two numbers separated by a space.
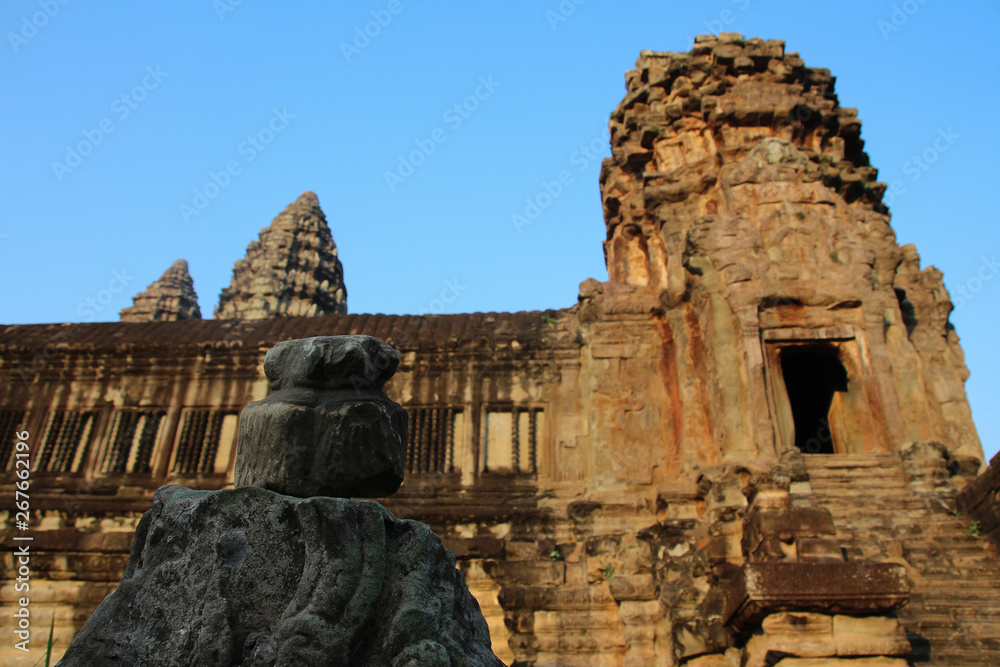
pixel 751 446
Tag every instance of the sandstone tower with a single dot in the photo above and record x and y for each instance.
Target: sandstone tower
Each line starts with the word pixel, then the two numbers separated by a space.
pixel 740 199
pixel 170 298
pixel 292 269
pixel 750 446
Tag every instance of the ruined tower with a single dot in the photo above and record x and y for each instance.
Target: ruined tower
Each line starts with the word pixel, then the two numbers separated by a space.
pixel 292 269
pixel 740 195
pixel 170 298
pixel 750 445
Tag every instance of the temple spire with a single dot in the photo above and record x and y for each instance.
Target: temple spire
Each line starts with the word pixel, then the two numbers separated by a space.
pixel 291 269
pixel 170 298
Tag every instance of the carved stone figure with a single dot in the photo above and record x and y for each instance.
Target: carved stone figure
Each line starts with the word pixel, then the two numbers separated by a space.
pixel 253 577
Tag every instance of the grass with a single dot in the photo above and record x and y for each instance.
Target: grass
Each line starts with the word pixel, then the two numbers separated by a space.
pixel 48 649
pixel 608 571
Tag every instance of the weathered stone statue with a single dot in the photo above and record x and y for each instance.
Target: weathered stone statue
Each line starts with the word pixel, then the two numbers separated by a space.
pixel 254 576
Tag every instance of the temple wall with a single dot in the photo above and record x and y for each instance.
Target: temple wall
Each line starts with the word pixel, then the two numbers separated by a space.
pixel 628 481
pixel 738 184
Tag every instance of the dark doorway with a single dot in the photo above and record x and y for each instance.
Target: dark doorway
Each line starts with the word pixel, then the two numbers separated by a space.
pixel 812 375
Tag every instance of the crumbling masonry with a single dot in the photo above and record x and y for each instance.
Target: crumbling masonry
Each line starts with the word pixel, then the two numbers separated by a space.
pixel 742 449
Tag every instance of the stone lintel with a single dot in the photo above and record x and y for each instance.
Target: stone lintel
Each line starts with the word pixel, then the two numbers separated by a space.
pixel 856 588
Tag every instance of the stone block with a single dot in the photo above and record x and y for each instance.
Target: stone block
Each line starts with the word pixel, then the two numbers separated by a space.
pixel 729 659
pixel 327 429
pixel 572 621
pixel 761 650
pixel 869 636
pixel 726 52
pixel 483 546
pixel 640 612
pixel 632 587
pixel 533 573
pixel 639 634
pixel 790 633
pixel 793 621
pixel 819 550
pixel 696 636
pixel 841 662
pixel 854 587
pixel 521 550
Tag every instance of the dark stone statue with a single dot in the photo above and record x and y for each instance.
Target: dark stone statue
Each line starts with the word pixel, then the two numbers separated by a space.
pixel 295 573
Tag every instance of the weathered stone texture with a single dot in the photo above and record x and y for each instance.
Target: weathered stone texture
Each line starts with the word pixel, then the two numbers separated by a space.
pixel 251 577
pixel 980 500
pixel 739 194
pixel 169 299
pixel 327 428
pixel 605 472
pixel 292 269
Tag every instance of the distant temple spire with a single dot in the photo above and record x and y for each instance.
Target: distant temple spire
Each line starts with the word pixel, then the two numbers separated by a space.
pixel 170 298
pixel 291 269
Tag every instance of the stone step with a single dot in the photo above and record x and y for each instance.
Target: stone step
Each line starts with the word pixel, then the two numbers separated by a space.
pixel 838 509
pixel 841 460
pixel 955 600
pixel 861 475
pixel 985 582
pixel 848 501
pixel 857 469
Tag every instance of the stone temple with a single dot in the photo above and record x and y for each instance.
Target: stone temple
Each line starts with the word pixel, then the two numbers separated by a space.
pixel 751 446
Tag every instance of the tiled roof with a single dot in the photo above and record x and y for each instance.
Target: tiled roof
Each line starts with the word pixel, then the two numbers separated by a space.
pixel 402 331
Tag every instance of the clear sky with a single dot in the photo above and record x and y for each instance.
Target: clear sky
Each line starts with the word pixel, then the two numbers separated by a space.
pixel 182 129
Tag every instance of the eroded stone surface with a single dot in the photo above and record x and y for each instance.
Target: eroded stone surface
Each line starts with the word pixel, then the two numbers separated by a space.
pixel 327 428
pixel 739 196
pixel 170 298
pixel 590 466
pixel 291 269
pixel 253 578
pixel 980 500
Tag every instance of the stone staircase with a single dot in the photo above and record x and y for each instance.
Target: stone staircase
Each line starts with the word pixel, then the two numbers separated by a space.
pixel 585 594
pixel 953 617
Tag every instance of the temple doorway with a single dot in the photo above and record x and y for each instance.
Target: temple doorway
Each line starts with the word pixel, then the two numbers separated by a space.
pixel 813 377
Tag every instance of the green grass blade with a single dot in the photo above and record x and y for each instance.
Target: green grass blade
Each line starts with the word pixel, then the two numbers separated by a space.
pixel 48 649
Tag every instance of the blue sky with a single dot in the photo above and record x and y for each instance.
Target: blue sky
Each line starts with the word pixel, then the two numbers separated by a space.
pixel 232 110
